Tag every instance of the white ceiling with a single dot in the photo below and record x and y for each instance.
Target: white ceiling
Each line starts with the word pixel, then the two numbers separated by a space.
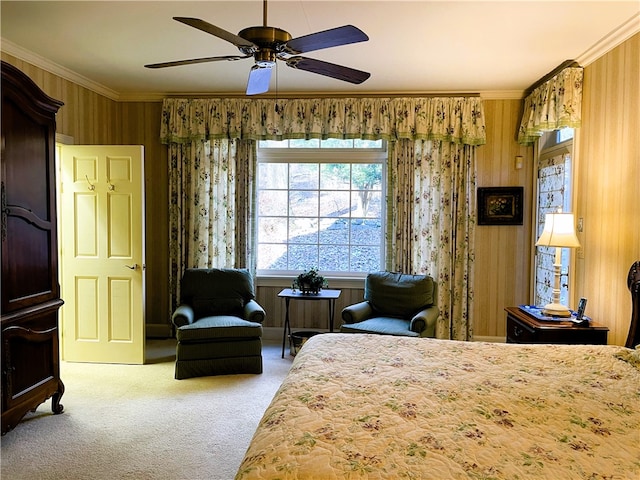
pixel 414 46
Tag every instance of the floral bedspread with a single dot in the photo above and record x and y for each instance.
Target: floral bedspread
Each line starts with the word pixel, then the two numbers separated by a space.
pixel 368 406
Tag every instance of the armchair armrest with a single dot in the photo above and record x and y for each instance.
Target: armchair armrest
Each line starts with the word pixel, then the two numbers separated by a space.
pixel 424 322
pixel 182 316
pixel 253 312
pixel 357 312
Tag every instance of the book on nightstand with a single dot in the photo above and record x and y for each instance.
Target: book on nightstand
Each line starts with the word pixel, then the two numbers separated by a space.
pixel 537 313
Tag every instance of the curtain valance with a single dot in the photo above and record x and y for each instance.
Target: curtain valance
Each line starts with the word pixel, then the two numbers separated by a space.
pixel 557 103
pixel 452 119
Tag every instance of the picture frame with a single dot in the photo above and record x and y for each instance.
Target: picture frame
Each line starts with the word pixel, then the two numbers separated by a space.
pixel 500 205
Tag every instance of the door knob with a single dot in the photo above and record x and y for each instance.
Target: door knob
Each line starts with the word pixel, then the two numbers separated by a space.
pixel 132 267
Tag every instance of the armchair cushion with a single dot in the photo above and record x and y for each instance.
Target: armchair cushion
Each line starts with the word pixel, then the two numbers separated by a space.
pixel 216 291
pixel 218 327
pixel 182 316
pixel 398 295
pixel 382 326
pixel 357 312
pixel 253 312
pixel 206 306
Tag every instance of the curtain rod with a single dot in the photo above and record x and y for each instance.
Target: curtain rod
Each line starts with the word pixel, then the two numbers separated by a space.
pixel 551 74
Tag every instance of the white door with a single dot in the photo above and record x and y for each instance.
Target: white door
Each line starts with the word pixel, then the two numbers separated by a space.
pixel 102 254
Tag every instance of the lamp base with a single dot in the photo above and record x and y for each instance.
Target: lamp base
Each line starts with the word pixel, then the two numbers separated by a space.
pixel 556 310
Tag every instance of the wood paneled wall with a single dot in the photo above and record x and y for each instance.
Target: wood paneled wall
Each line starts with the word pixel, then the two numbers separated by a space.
pixel 606 189
pixel 502 262
pixel 304 315
pixel 608 184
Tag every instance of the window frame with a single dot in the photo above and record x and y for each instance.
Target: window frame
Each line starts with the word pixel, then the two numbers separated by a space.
pixel 320 155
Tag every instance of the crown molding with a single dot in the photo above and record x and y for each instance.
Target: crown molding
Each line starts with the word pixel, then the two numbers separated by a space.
pixel 52 67
pixel 502 94
pixel 610 41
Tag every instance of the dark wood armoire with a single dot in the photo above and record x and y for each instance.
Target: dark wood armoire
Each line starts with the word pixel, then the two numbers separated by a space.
pixel 30 288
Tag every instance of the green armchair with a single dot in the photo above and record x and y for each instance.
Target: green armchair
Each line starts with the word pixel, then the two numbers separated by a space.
pixel 394 304
pixel 218 324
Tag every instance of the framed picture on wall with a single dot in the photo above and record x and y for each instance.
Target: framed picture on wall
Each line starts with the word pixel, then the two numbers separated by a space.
pixel 500 205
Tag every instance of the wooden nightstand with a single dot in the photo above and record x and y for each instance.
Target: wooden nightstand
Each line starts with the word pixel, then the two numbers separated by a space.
pixel 523 328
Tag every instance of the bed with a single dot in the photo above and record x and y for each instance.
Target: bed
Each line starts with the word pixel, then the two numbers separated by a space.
pixel 370 406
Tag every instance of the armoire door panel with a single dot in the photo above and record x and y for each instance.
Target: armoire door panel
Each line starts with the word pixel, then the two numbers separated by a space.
pixel 27 272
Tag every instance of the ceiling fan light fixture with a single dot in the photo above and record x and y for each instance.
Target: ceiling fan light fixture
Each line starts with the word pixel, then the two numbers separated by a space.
pixel 265 58
pixel 259 78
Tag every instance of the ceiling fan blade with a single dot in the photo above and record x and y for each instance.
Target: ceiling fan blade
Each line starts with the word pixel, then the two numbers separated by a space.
pixel 259 78
pixel 217 32
pixel 326 39
pixel 197 60
pixel 320 67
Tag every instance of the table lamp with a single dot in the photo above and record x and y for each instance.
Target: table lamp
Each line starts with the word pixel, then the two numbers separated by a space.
pixel 558 232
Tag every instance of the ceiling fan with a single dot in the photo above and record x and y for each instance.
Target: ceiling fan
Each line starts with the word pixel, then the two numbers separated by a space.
pixel 268 44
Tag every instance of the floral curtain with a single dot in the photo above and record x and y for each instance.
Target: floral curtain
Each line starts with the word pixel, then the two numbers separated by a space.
pixel 213 160
pixel 451 119
pixel 557 103
pixel 202 193
pixel 431 186
pixel 246 161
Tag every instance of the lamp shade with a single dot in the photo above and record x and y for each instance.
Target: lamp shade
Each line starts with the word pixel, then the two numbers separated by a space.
pixel 558 231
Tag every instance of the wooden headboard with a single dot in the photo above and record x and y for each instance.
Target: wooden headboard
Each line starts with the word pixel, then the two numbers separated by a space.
pixel 633 282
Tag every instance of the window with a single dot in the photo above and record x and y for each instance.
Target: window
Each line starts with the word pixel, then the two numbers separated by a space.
pixel 554 180
pixel 321 204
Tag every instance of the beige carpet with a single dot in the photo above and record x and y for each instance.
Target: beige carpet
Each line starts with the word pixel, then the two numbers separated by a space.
pixel 137 422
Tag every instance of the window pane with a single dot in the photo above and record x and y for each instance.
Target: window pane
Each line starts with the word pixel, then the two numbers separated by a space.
pixel 272 257
pixel 302 143
pixel 303 230
pixel 273 175
pixel 334 232
pixel 334 259
pixel 302 257
pixel 564 134
pixel 304 176
pixel 334 204
pixel 366 176
pixel 303 203
pixel 273 202
pixel 358 143
pixel 366 204
pixel 273 143
pixel 336 143
pixel 365 232
pixel 335 176
pixel 274 229
pixel 365 259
